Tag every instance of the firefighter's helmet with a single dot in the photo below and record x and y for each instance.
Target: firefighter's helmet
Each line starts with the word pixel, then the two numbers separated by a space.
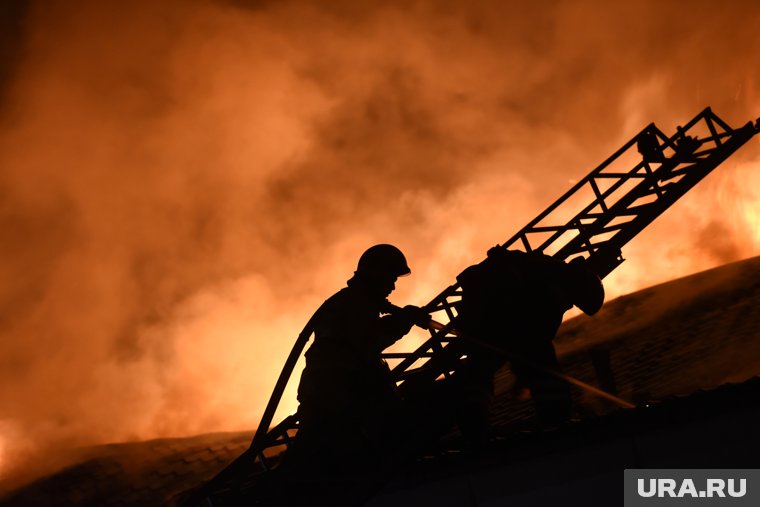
pixel 586 287
pixel 383 261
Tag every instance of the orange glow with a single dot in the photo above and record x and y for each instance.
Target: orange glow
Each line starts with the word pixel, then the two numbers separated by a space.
pixel 2 455
pixel 183 183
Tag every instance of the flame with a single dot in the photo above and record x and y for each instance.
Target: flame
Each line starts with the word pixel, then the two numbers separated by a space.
pixel 740 193
pixel 182 184
pixel 3 457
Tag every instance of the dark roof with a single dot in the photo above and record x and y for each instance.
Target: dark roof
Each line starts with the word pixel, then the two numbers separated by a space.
pixel 697 332
pixel 582 463
pixel 665 345
pixel 138 474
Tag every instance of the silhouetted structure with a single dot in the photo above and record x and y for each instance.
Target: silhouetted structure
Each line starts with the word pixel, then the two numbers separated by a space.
pixel 619 202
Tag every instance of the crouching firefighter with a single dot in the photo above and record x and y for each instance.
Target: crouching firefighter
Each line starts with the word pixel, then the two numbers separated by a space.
pixel 512 306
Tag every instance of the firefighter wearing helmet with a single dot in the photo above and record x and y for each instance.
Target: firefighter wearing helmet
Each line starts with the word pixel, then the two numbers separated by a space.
pixel 512 306
pixel 346 391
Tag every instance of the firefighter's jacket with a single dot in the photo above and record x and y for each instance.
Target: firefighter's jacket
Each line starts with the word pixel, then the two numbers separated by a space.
pixel 344 370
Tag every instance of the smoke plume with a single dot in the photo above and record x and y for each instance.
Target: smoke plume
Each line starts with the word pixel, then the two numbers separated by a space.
pixel 183 182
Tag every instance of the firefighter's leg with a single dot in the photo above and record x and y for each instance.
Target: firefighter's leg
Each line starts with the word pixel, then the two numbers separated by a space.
pixel 551 395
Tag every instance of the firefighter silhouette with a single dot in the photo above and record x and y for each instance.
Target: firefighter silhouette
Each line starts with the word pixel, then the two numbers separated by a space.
pixel 348 401
pixel 512 306
pixel 652 151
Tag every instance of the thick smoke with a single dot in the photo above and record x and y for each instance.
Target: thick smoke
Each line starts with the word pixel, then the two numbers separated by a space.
pixel 183 182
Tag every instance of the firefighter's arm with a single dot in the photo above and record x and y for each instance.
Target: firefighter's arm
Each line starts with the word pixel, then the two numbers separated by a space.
pixel 392 327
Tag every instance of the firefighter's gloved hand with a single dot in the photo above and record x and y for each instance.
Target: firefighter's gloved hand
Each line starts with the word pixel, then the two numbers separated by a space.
pixel 417 316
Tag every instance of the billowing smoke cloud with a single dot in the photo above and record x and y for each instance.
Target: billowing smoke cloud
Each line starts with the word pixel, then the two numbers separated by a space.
pixel 183 182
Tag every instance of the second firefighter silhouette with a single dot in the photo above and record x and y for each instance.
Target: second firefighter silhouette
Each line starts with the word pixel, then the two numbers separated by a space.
pixel 346 392
pixel 512 306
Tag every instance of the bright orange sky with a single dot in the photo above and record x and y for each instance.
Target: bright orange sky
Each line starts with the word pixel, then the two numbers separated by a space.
pixel 183 182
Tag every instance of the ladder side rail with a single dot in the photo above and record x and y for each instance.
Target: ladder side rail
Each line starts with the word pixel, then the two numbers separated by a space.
pixel 241 472
pixel 717 119
pixel 441 365
pixel 711 159
pixel 438 337
pixel 578 186
pixel 622 207
pixel 706 116
pixel 599 201
pixel 674 192
pixel 651 180
pixel 649 176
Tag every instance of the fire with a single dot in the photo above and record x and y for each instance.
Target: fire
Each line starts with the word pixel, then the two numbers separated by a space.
pixel 739 193
pixel 3 458
pixel 183 183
